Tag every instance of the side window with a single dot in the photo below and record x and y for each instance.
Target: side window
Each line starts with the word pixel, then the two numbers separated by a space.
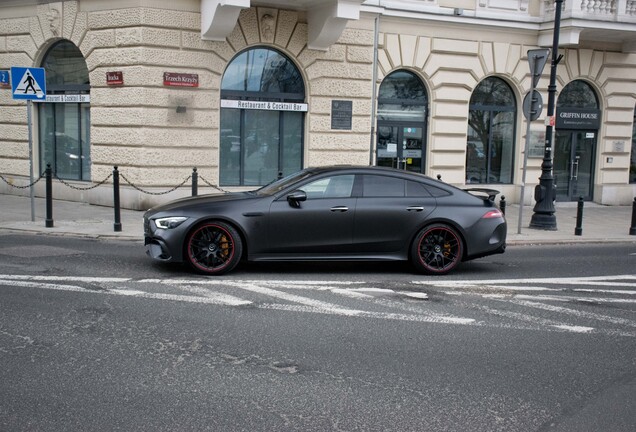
pixel 382 186
pixel 330 187
pixel 437 192
pixel 415 189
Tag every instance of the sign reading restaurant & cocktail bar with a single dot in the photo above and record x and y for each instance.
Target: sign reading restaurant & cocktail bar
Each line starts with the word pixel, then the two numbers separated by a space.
pixel 578 118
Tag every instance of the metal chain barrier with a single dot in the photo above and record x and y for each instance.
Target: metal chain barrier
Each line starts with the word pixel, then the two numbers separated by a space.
pixel 155 193
pixel 65 183
pixel 22 187
pixel 212 185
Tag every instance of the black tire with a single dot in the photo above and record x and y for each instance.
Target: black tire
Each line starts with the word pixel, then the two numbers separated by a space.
pixel 437 249
pixel 213 248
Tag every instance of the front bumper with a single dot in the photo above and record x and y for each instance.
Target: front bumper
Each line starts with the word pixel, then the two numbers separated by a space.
pixel 157 242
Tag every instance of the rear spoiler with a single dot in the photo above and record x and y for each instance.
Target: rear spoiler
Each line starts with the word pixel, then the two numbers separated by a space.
pixel 483 193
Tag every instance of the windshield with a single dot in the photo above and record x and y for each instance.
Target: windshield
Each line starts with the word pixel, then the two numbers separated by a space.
pixel 283 183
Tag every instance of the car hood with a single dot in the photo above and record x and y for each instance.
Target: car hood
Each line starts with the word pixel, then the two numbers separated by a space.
pixel 201 200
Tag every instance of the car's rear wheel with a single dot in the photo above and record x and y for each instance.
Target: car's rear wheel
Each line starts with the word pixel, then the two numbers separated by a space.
pixel 213 248
pixel 437 249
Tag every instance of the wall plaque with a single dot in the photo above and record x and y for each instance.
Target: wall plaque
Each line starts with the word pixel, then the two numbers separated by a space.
pixel 341 114
pixel 114 78
pixel 173 79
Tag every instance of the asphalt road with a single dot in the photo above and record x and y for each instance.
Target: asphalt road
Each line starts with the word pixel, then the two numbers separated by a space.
pixel 95 336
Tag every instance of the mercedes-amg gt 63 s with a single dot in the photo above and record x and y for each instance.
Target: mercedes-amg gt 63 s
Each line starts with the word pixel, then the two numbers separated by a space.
pixel 331 213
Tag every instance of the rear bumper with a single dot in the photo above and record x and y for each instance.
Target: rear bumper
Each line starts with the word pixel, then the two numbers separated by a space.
pixel 490 240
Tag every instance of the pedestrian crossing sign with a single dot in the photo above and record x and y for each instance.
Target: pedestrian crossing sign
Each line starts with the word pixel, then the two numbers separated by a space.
pixel 28 83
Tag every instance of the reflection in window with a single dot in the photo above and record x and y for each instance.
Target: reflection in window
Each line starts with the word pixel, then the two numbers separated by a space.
pixel 330 187
pixel 259 145
pixel 402 97
pixel 64 127
pixel 262 70
pixel 577 94
pixel 491 131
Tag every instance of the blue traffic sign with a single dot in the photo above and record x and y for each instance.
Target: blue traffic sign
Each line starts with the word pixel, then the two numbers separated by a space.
pixel 28 83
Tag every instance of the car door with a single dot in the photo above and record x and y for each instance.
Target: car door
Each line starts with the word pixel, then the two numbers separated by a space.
pixel 321 225
pixel 388 213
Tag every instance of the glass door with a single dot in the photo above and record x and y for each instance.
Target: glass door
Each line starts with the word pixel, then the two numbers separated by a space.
pixel 574 164
pixel 400 147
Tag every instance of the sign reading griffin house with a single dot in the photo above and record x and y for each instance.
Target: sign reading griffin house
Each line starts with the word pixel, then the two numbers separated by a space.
pixel 578 118
pixel 180 79
pixel 267 106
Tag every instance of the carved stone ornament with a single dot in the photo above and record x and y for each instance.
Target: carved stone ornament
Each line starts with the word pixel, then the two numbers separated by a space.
pixel 268 23
pixel 53 16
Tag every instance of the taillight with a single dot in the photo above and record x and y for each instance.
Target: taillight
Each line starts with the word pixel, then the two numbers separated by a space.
pixel 496 213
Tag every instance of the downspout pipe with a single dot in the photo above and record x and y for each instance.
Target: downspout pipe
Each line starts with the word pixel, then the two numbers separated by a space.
pixel 374 80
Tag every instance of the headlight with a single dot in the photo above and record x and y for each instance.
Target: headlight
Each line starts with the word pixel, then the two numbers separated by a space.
pixel 170 222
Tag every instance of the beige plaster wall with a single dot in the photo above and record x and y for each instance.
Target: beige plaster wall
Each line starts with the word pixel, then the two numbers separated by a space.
pixel 136 126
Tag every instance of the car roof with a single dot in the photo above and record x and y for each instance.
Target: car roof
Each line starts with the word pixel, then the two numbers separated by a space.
pixel 364 168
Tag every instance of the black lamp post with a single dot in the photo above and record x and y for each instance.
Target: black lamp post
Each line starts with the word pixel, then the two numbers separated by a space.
pixel 545 191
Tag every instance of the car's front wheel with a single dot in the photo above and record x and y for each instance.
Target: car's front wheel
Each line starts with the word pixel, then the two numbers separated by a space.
pixel 213 248
pixel 437 249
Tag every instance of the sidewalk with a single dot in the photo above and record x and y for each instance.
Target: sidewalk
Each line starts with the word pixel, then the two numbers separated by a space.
pixel 600 223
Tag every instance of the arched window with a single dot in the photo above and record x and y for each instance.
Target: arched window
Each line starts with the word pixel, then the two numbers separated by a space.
pixel 65 126
pixel 402 112
pixel 578 94
pixel 578 119
pixel 262 117
pixel 491 133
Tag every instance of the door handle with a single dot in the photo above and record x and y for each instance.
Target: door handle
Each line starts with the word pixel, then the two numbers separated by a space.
pixel 575 170
pixel 415 208
pixel 340 209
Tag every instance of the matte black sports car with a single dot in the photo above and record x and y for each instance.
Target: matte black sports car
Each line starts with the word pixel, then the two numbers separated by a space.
pixel 331 213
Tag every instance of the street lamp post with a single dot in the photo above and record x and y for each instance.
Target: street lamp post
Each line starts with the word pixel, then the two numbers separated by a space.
pixel 545 191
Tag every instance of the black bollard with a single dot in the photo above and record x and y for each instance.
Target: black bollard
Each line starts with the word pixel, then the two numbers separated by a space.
pixel 117 225
pixel 502 205
pixel 48 222
pixel 280 175
pixel 439 177
pixel 195 182
pixel 632 229
pixel 579 217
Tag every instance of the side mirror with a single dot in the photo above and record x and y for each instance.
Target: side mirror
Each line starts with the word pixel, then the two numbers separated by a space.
pixel 296 197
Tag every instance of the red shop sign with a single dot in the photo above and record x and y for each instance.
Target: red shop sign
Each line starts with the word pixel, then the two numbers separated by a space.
pixel 114 78
pixel 180 79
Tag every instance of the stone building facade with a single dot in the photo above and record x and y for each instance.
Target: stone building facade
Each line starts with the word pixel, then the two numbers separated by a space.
pixel 435 86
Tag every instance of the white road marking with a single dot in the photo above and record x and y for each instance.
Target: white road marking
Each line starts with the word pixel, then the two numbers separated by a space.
pixel 575 329
pixel 589 280
pixel 512 292
pixel 220 297
pixel 626 292
pixel 65 278
pixel 295 299
pixel 575 312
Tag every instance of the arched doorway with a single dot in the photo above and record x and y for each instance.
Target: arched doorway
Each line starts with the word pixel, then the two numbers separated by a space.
pixel 577 123
pixel 262 118
pixel 64 120
pixel 491 133
pixel 402 112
